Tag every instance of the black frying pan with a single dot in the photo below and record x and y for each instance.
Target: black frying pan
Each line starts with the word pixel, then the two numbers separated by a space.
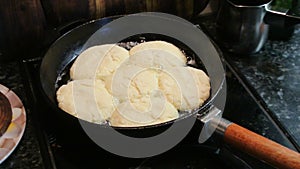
pixel 62 53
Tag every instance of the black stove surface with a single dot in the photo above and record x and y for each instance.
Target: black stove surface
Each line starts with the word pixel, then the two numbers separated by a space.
pixel 241 108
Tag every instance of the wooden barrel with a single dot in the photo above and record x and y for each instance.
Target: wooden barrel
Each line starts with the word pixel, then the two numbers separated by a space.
pixel 28 26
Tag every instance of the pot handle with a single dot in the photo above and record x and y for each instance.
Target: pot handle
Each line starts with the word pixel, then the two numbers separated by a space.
pixel 289 19
pixel 261 147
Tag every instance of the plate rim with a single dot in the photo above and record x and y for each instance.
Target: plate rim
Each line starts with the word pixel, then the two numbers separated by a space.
pixel 6 91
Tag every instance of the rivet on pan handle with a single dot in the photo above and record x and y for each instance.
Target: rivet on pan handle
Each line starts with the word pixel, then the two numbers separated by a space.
pixel 211 122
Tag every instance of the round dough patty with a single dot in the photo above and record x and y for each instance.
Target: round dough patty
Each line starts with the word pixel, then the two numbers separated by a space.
pixel 163 46
pixel 86 99
pixel 185 87
pixel 131 81
pixel 98 62
pixel 143 111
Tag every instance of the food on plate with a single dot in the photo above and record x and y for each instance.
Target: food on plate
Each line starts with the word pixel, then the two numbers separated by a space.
pixel 86 99
pixel 149 84
pixel 98 62
pixel 5 113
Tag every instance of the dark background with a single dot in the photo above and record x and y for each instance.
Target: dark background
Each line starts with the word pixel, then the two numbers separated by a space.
pixel 28 26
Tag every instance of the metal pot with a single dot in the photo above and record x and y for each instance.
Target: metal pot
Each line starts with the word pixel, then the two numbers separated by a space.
pixel 243 26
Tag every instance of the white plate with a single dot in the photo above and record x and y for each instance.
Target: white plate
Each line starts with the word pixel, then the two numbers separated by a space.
pixel 12 136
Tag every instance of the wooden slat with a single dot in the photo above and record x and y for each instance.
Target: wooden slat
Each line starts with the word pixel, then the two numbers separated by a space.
pixel 101 8
pixel 115 7
pixel 60 12
pixel 22 27
pixel 134 6
pixel 27 26
pixel 96 8
pixel 184 8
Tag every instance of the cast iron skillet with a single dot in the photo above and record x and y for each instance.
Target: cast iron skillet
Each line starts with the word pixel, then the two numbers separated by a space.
pixel 63 52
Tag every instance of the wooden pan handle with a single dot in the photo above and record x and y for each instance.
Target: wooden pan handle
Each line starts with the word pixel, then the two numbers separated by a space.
pixel 261 147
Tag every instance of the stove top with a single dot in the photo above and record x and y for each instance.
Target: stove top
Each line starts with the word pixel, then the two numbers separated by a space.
pixel 42 148
pixel 241 108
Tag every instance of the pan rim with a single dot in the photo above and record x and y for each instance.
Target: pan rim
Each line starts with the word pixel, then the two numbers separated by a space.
pixel 194 112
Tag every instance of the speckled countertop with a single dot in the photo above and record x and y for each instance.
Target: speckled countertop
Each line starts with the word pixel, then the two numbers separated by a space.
pixel 274 72
pixel 274 75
